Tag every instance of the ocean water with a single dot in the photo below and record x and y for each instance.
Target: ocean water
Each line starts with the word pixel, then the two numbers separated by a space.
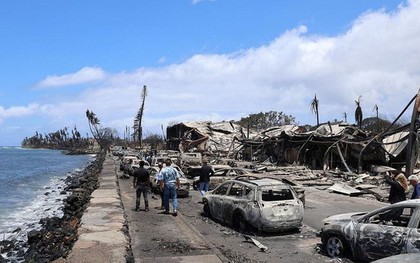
pixel 31 186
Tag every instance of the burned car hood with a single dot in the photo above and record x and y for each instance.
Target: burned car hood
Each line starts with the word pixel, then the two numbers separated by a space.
pixel 342 218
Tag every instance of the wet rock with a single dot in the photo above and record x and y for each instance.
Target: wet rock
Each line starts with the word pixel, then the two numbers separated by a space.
pixel 58 235
pixel 6 245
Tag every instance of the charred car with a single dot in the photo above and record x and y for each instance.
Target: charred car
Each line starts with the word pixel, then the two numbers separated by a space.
pixel 266 204
pixel 221 176
pixel 183 191
pixel 384 232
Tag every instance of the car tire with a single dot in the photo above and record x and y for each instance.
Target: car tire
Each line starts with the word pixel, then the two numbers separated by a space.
pixel 335 246
pixel 206 210
pixel 239 223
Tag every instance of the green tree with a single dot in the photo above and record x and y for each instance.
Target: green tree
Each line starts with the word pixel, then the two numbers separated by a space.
pixel 155 141
pixel 380 124
pixel 261 121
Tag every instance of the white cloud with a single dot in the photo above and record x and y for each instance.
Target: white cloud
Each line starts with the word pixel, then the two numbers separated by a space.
pixel 18 111
pixel 85 75
pixel 194 2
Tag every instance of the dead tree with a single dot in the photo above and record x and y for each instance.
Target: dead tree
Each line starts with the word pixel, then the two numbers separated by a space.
pixel 358 114
pixel 138 130
pixel 314 109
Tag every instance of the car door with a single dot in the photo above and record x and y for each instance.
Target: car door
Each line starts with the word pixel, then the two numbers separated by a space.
pixel 413 242
pixel 383 233
pixel 233 200
pixel 217 200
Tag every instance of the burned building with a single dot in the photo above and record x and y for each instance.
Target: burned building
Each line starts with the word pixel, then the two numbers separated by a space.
pixel 330 146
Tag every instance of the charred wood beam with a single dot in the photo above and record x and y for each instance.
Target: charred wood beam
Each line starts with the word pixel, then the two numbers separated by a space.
pixel 342 158
pixel 412 151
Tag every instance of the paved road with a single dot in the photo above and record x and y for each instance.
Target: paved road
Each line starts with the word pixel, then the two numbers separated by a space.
pixel 321 204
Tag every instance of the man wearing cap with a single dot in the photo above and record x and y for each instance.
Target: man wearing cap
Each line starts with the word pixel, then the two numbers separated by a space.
pixel 414 181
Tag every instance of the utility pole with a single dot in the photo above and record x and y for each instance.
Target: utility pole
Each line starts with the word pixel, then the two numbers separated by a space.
pixel 412 149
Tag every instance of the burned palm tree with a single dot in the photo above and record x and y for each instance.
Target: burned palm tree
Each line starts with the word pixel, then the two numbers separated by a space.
pixel 314 109
pixel 103 136
pixel 138 130
pixel 376 109
pixel 358 114
pixel 345 117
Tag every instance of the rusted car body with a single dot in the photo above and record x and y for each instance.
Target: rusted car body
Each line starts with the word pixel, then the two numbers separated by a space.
pixel 384 232
pixel 127 162
pixel 263 203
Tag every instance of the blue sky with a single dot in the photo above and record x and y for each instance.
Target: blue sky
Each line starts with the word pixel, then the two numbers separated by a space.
pixel 201 60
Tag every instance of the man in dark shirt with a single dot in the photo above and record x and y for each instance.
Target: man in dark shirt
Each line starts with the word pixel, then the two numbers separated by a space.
pixel 141 182
pixel 205 173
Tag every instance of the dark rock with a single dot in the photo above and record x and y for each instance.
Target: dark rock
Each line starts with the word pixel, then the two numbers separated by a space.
pixel 6 245
pixel 34 236
pixel 57 236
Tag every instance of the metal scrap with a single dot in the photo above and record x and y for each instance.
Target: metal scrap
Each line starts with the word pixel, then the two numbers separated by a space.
pixel 344 189
pixel 256 242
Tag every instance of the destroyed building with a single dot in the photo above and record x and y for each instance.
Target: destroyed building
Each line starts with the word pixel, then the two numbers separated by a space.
pixel 330 146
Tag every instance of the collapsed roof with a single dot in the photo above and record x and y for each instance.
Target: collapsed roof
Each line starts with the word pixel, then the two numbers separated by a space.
pixel 330 146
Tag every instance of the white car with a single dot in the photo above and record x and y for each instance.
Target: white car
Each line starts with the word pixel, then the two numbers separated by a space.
pixel 267 204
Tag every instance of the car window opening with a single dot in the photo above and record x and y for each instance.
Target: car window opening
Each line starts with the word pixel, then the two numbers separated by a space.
pixel 276 195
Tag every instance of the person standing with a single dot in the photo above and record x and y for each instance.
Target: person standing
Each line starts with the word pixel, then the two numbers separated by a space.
pixel 170 184
pixel 141 182
pixel 159 179
pixel 398 187
pixel 414 181
pixel 205 173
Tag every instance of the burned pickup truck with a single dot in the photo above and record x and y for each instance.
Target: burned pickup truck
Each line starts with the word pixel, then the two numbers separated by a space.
pixel 266 204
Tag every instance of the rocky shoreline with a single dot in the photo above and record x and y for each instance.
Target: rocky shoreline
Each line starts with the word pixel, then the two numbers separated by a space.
pixel 57 235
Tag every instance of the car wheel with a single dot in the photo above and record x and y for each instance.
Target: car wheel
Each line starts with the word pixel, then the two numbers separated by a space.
pixel 335 247
pixel 206 210
pixel 239 222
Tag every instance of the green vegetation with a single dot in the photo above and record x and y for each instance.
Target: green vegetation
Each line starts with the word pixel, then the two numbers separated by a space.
pixel 262 121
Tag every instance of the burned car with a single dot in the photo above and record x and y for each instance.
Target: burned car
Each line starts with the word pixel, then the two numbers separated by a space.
pixel 220 176
pixel 264 203
pixel 184 190
pixel 384 232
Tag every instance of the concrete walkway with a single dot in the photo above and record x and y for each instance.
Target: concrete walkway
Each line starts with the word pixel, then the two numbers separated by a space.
pixel 101 234
pixel 110 233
